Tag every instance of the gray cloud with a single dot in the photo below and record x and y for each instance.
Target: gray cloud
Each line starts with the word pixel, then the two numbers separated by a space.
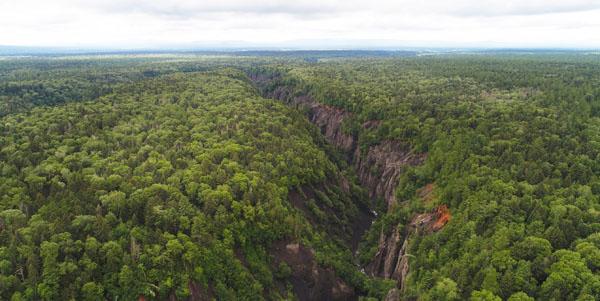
pixel 163 22
pixel 190 9
pixel 489 8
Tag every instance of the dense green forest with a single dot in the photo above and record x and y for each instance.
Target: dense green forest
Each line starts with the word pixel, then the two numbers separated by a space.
pixel 202 177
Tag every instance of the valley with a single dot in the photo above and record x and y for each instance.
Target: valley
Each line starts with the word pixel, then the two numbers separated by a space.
pixel 300 176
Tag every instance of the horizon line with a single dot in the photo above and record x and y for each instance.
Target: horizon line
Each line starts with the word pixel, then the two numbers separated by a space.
pixel 40 50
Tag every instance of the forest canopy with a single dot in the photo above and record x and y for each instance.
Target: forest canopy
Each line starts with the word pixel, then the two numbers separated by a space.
pixel 179 177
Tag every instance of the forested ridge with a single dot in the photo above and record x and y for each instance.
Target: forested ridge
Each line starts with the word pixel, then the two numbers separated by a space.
pixel 177 178
pixel 512 144
pixel 161 188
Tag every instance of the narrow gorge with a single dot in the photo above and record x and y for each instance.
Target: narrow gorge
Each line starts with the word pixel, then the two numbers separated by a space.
pixel 378 169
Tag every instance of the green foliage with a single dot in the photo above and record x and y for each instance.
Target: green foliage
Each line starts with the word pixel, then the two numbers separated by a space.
pixel 520 296
pixel 283 271
pixel 484 295
pixel 513 147
pixel 153 189
pixel 123 177
pixel 444 290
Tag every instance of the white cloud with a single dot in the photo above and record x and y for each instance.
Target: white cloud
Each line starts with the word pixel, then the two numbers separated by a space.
pixel 140 23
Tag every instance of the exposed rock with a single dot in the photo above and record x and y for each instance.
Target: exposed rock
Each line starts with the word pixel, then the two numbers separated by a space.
pixel 443 216
pixel 390 261
pixel 199 293
pixel 309 280
pixel 378 168
pixel 393 295
pixel 401 270
pixel 431 222
pixel 381 167
pixel 293 249
pixel 344 184
pixel 329 119
pixel 384 263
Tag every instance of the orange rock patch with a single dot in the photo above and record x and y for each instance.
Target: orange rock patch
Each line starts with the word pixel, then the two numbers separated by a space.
pixel 433 221
pixel 443 217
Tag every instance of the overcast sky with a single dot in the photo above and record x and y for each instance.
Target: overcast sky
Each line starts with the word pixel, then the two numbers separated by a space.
pixel 154 23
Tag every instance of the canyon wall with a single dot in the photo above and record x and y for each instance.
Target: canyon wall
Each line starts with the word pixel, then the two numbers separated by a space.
pixel 378 169
pixel 381 167
pixel 391 260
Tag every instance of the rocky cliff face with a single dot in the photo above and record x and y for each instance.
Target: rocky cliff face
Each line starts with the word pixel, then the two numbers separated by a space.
pixel 381 167
pixel 390 261
pixel 329 120
pixel 378 169
pixel 385 263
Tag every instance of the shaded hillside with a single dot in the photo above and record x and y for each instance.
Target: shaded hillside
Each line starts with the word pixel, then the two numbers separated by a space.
pixel 170 188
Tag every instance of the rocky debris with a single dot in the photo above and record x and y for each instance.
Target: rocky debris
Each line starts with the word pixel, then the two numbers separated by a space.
pixel 381 167
pixel 430 222
pixel 309 280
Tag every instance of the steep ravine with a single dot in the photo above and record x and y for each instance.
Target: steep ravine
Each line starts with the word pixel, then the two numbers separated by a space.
pixel 378 169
